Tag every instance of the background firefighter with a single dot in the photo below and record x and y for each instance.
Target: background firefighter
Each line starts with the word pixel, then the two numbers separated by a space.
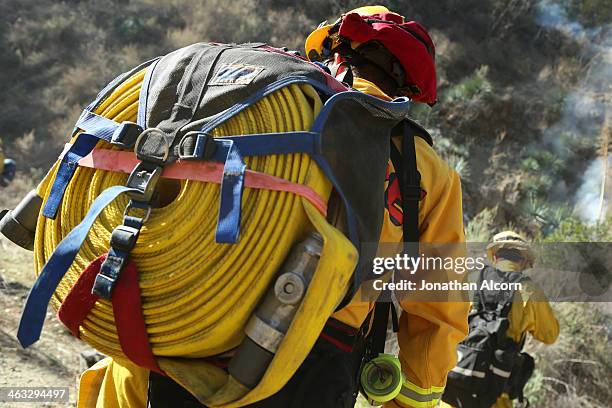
pixel 7 168
pixel 527 312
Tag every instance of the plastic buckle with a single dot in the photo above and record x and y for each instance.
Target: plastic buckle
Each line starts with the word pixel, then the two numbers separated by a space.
pixel 203 148
pixel 126 135
pixel 124 238
pixel 108 275
pixel 144 178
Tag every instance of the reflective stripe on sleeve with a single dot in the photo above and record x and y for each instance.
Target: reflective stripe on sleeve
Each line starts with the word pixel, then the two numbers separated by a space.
pixel 415 396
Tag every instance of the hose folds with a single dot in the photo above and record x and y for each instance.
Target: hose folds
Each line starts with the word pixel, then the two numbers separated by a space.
pixel 196 294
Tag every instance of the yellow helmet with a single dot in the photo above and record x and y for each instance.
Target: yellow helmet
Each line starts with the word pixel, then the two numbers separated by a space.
pixel 315 40
pixel 510 239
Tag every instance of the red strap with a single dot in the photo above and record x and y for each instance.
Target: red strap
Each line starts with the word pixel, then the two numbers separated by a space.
pixel 80 300
pixel 211 172
pixel 127 311
pixel 129 320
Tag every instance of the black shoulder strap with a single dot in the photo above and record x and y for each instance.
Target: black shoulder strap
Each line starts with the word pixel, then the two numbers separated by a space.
pixel 479 298
pixel 410 182
pixel 410 185
pixel 379 327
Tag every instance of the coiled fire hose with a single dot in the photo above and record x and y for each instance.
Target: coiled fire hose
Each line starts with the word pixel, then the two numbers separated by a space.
pixel 196 294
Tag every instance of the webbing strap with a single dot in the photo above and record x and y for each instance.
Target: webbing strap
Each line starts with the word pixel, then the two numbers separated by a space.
pixel 379 327
pixel 410 182
pixel 256 144
pixel 131 328
pixel 79 300
pixel 208 172
pixel 230 150
pixel 144 94
pixel 96 125
pixel 127 310
pixel 232 186
pixel 33 316
pixel 81 147
pixel 95 128
pixel 263 144
pixel 411 188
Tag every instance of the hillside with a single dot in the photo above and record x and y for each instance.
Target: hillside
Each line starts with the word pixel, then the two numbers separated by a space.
pixel 525 92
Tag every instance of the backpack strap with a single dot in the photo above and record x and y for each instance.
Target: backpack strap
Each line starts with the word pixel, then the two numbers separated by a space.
pixel 410 185
pixel 479 298
pixel 410 182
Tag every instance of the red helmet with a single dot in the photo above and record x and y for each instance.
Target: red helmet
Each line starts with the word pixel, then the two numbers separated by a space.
pixel 402 49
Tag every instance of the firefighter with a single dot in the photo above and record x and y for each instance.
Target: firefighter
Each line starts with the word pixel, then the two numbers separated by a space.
pixel 527 312
pixel 7 169
pixel 386 56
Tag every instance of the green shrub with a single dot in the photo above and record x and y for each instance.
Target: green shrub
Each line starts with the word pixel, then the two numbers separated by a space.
pixel 479 228
pixel 474 86
pixel 573 229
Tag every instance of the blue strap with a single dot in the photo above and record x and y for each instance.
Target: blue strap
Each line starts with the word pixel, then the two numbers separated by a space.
pixel 232 186
pixel 225 115
pixel 81 147
pixel 144 94
pixel 96 125
pixel 263 144
pixel 33 316
pixel 96 128
pixel 229 150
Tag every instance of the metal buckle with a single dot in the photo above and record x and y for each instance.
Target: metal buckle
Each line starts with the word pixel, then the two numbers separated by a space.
pixel 144 178
pixel 138 205
pixel 204 147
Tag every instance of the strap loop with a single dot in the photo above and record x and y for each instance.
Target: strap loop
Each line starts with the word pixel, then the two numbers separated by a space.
pixel 197 146
pixel 148 143
pixel 126 135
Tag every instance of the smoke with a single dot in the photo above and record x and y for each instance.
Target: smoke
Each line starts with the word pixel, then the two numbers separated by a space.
pixel 586 107
pixel 552 15
pixel 589 194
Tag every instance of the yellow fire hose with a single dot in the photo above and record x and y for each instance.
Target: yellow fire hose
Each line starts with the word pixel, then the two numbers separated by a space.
pixel 196 294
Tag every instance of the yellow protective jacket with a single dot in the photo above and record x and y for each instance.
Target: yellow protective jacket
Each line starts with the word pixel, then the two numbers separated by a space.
pixel 429 332
pixel 527 315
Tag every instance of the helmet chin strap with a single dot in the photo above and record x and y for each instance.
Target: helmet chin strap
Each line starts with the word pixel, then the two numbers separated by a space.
pixel 506 265
pixel 340 69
